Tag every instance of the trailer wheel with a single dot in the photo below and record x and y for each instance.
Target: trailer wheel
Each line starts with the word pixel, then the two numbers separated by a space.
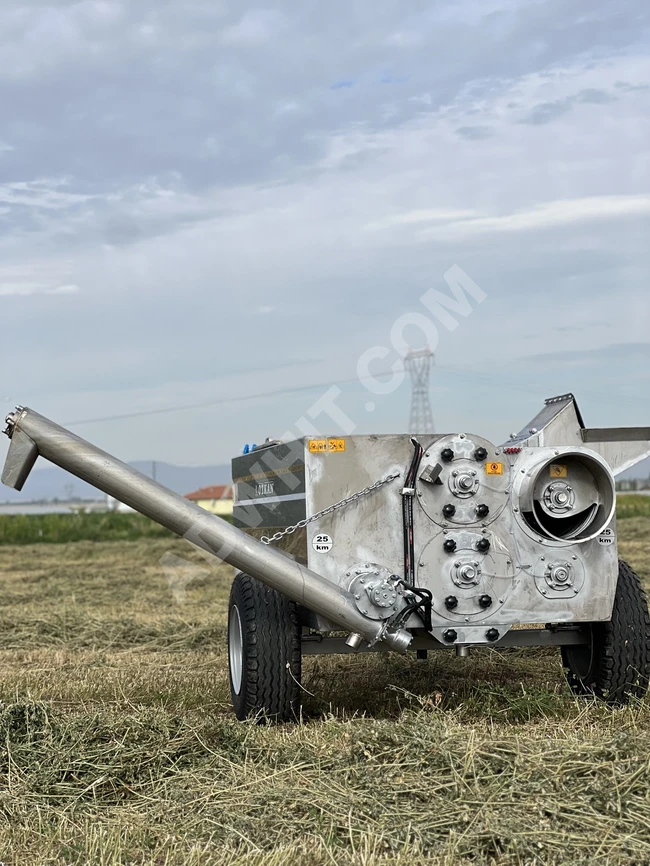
pixel 615 664
pixel 264 654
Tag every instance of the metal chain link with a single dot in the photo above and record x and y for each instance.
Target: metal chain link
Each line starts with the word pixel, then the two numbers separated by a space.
pixel 343 502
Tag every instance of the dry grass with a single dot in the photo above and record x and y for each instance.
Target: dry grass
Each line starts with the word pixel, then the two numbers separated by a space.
pixel 117 744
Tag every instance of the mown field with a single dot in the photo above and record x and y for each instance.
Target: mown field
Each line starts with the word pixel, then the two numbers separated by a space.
pixel 118 746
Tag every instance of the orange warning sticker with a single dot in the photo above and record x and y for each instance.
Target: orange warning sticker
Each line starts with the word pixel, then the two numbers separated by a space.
pixel 494 468
pixel 336 445
pixel 317 446
pixel 558 470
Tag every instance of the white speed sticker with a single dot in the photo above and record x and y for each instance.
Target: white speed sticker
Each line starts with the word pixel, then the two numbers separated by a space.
pixel 607 536
pixel 322 543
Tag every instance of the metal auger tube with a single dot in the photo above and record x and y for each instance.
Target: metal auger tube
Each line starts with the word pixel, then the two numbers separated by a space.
pixel 33 435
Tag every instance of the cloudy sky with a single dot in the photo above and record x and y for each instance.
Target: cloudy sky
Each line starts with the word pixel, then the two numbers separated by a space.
pixel 206 200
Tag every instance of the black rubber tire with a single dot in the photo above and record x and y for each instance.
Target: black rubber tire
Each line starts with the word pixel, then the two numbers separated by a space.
pixel 615 666
pixel 271 659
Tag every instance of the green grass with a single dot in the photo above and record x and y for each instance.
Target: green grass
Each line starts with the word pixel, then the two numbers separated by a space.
pixel 632 506
pixel 118 744
pixel 65 528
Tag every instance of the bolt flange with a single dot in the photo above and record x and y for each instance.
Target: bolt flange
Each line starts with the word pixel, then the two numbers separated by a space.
pixel 11 420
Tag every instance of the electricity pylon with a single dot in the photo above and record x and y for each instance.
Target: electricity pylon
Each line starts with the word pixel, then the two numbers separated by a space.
pixel 419 366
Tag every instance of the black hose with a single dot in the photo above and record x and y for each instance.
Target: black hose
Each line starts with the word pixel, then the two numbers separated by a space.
pixel 407 513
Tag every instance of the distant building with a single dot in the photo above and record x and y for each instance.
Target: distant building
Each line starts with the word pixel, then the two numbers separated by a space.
pixel 216 499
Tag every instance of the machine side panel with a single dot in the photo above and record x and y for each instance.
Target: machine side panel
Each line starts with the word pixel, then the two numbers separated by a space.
pixel 270 487
pixel 369 530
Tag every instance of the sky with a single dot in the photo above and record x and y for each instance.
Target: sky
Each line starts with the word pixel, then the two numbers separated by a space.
pixel 210 202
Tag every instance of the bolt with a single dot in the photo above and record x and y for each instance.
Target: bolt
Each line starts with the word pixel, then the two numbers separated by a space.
pixel 449 545
pixel 422 564
pixel 542 558
pixel 492 634
pixel 483 544
pixel 466 619
pixel 482 510
pixel 574 556
pixel 485 601
pixel 500 601
pixel 357 597
pixel 576 590
pixel 450 635
pixel 363 580
pixel 447 455
pixel 480 453
pixel 451 602
pixel 449 510
pixel 543 592
pixel 454 473
pixel 515 509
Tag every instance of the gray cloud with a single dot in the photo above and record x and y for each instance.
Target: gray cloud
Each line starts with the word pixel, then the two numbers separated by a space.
pixel 474 133
pixel 546 112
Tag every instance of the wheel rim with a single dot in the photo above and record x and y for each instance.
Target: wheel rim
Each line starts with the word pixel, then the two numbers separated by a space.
pixel 235 649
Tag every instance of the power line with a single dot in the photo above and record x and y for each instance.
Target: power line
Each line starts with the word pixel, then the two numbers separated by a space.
pixel 221 401
pixel 504 379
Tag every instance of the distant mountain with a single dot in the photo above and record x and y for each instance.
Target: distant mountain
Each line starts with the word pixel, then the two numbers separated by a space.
pixel 53 483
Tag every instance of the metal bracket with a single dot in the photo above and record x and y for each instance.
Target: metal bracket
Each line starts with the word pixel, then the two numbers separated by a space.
pixel 23 453
pixel 560 423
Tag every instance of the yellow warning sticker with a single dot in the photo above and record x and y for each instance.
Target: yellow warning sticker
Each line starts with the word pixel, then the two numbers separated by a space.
pixel 558 470
pixel 494 468
pixel 323 446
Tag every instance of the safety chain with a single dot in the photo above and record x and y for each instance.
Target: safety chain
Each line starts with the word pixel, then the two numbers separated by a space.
pixel 343 502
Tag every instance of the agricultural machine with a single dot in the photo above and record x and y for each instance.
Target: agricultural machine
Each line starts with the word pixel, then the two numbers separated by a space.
pixel 397 542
